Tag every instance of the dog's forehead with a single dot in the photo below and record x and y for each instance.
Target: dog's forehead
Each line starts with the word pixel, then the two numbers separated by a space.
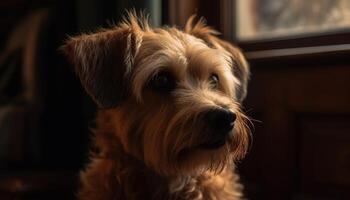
pixel 180 50
pixel 172 40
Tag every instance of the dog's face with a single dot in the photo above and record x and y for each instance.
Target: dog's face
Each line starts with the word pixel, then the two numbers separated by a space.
pixel 174 95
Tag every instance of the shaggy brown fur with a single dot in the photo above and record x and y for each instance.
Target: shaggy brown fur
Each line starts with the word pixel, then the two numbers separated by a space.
pixel 155 87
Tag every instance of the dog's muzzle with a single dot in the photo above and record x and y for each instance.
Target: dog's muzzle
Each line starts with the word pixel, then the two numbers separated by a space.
pixel 220 123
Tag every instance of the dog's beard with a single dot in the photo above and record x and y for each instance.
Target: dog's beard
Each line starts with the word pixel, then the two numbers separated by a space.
pixel 168 136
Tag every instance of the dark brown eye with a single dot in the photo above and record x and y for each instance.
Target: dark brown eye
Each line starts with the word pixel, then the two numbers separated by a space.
pixel 214 80
pixel 163 82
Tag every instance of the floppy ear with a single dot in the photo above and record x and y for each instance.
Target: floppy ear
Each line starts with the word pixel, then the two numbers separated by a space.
pixel 240 66
pixel 103 62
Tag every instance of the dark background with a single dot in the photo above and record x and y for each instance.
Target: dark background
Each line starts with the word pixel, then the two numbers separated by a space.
pixel 301 104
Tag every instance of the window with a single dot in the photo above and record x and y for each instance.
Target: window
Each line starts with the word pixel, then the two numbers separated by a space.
pixel 273 19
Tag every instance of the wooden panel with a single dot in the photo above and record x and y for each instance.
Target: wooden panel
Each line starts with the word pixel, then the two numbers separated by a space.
pixel 296 155
pixel 325 156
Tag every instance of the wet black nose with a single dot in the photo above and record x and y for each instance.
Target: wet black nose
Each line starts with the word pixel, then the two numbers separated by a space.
pixel 221 120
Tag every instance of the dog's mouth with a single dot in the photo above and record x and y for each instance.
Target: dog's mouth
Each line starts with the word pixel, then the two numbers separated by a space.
pixel 213 144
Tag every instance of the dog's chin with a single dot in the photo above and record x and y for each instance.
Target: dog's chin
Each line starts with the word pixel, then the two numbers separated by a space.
pixel 206 150
pixel 206 157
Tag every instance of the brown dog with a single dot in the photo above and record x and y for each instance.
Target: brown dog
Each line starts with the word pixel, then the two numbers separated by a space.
pixel 170 126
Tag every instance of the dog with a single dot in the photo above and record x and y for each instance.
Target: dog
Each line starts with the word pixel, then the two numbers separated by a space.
pixel 170 124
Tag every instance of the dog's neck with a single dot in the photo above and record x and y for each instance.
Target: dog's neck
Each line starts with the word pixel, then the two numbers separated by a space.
pixel 134 174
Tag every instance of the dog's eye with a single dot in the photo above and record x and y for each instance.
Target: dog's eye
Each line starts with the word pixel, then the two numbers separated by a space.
pixel 214 80
pixel 163 82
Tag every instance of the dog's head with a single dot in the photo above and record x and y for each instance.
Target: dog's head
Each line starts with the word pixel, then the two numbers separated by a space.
pixel 175 95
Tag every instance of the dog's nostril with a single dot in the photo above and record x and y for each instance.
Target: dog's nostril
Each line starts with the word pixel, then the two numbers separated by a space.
pixel 221 119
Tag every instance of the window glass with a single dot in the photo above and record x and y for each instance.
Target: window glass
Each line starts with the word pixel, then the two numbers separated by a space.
pixel 273 19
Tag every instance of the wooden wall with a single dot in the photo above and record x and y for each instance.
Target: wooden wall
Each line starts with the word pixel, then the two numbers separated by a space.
pixel 301 147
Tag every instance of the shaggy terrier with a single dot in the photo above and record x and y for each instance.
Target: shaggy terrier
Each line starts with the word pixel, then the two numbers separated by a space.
pixel 169 124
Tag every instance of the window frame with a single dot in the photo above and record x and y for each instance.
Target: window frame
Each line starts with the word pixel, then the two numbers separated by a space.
pixel 305 44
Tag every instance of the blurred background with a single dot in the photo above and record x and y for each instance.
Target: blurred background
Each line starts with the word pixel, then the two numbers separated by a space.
pixel 299 94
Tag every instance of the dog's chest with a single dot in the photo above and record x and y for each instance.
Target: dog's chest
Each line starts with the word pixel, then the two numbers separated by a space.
pixel 222 186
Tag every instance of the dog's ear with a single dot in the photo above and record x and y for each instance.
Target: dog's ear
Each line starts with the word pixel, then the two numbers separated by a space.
pixel 209 35
pixel 103 62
